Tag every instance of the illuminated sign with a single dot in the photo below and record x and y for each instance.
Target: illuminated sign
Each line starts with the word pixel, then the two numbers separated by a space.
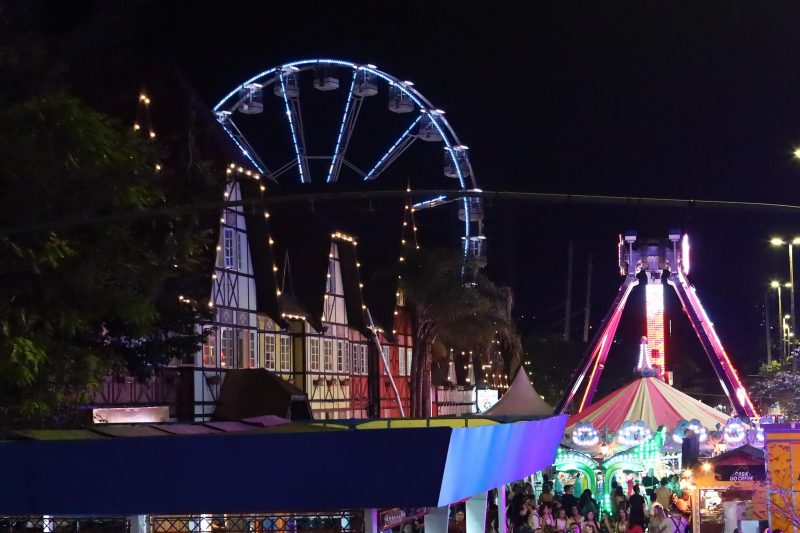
pixel 130 415
pixel 739 473
pixel 486 399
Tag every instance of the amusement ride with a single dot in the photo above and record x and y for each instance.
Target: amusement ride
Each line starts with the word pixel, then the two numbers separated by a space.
pixel 300 133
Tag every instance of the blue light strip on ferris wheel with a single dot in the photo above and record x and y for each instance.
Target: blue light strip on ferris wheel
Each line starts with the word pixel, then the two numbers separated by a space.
pixel 244 150
pixel 291 126
pixel 393 147
pixel 341 127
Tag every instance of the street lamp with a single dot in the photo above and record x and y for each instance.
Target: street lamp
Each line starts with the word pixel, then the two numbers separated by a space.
pixel 777 286
pixel 775 241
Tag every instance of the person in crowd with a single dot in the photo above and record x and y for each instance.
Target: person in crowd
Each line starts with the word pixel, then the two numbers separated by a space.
pixel 547 519
pixel 664 493
pixel 619 500
pixel 561 520
pixel 546 496
pixel 650 483
pixel 568 499
pixel 687 509
pixel 458 524
pixel 636 508
pixel 528 489
pixel 590 524
pixel 657 518
pixel 518 515
pixel 586 503
pixel 634 528
pixel 622 521
pixel 575 517
pixel 675 522
pixel 534 521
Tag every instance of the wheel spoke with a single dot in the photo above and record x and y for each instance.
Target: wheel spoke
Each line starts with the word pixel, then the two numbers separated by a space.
pixel 394 151
pixel 241 142
pixel 298 141
pixel 351 109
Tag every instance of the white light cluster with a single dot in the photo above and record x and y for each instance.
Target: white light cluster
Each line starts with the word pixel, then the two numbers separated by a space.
pixel 633 433
pixel 735 431
pixel 585 435
pixel 694 425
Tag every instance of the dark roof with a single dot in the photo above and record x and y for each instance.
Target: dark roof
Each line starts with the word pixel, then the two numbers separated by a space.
pixel 747 450
pixel 378 468
pixel 248 393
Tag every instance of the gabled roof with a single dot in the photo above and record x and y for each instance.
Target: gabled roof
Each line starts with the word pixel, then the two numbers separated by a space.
pixel 750 453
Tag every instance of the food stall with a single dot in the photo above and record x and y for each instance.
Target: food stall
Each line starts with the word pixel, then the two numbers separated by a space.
pixel 729 492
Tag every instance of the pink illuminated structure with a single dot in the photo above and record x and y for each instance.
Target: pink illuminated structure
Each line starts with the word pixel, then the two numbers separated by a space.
pixel 658 264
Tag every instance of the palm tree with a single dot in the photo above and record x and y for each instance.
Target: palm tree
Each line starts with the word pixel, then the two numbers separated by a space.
pixel 463 315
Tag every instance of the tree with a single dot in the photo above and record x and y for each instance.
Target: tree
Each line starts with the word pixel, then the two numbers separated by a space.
pixel 777 385
pixel 465 316
pixel 90 282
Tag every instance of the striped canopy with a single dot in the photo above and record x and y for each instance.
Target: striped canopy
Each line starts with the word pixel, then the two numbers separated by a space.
pixel 650 400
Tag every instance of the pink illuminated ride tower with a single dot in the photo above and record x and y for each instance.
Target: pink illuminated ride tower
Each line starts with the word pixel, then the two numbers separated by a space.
pixel 658 264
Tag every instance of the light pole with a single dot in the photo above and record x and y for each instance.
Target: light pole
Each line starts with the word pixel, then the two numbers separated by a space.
pixel 777 286
pixel 793 323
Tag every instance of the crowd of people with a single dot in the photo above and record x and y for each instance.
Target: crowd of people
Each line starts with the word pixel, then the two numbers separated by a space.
pixel 659 510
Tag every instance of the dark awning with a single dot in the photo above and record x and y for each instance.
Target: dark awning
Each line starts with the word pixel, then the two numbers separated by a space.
pixel 270 472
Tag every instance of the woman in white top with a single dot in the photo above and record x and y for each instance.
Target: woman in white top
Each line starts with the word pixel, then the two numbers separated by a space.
pixel 590 525
pixel 561 521
pixel 548 521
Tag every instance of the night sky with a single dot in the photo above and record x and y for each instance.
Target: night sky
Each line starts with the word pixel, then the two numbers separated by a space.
pixel 698 101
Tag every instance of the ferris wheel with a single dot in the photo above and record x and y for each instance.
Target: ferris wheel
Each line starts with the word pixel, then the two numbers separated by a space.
pixel 318 141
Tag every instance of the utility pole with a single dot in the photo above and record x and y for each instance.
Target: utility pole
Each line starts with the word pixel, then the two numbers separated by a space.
pixel 791 295
pixel 766 327
pixel 568 305
pixel 588 300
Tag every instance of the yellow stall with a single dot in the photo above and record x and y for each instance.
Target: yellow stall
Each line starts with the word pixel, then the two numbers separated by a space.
pixel 783 475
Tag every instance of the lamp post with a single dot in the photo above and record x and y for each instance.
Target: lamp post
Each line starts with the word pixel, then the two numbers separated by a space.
pixel 793 324
pixel 777 286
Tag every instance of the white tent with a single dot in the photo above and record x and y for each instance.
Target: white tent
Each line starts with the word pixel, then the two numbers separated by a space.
pixel 521 400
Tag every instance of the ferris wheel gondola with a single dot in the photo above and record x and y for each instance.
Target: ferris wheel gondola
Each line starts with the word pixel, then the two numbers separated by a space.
pixel 362 82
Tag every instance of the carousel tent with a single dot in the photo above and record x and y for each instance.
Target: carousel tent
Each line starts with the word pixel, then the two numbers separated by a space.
pixel 520 400
pixel 652 401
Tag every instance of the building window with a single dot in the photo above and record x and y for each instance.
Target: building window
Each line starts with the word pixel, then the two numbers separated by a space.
pixel 340 356
pixel 227 247
pixel 401 361
pixel 240 250
pixel 252 350
pixel 408 361
pixel 387 362
pixel 327 355
pixel 209 351
pixel 347 357
pixel 269 352
pixel 362 359
pixel 314 352
pixel 238 362
pixel 286 354
pixel 225 346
